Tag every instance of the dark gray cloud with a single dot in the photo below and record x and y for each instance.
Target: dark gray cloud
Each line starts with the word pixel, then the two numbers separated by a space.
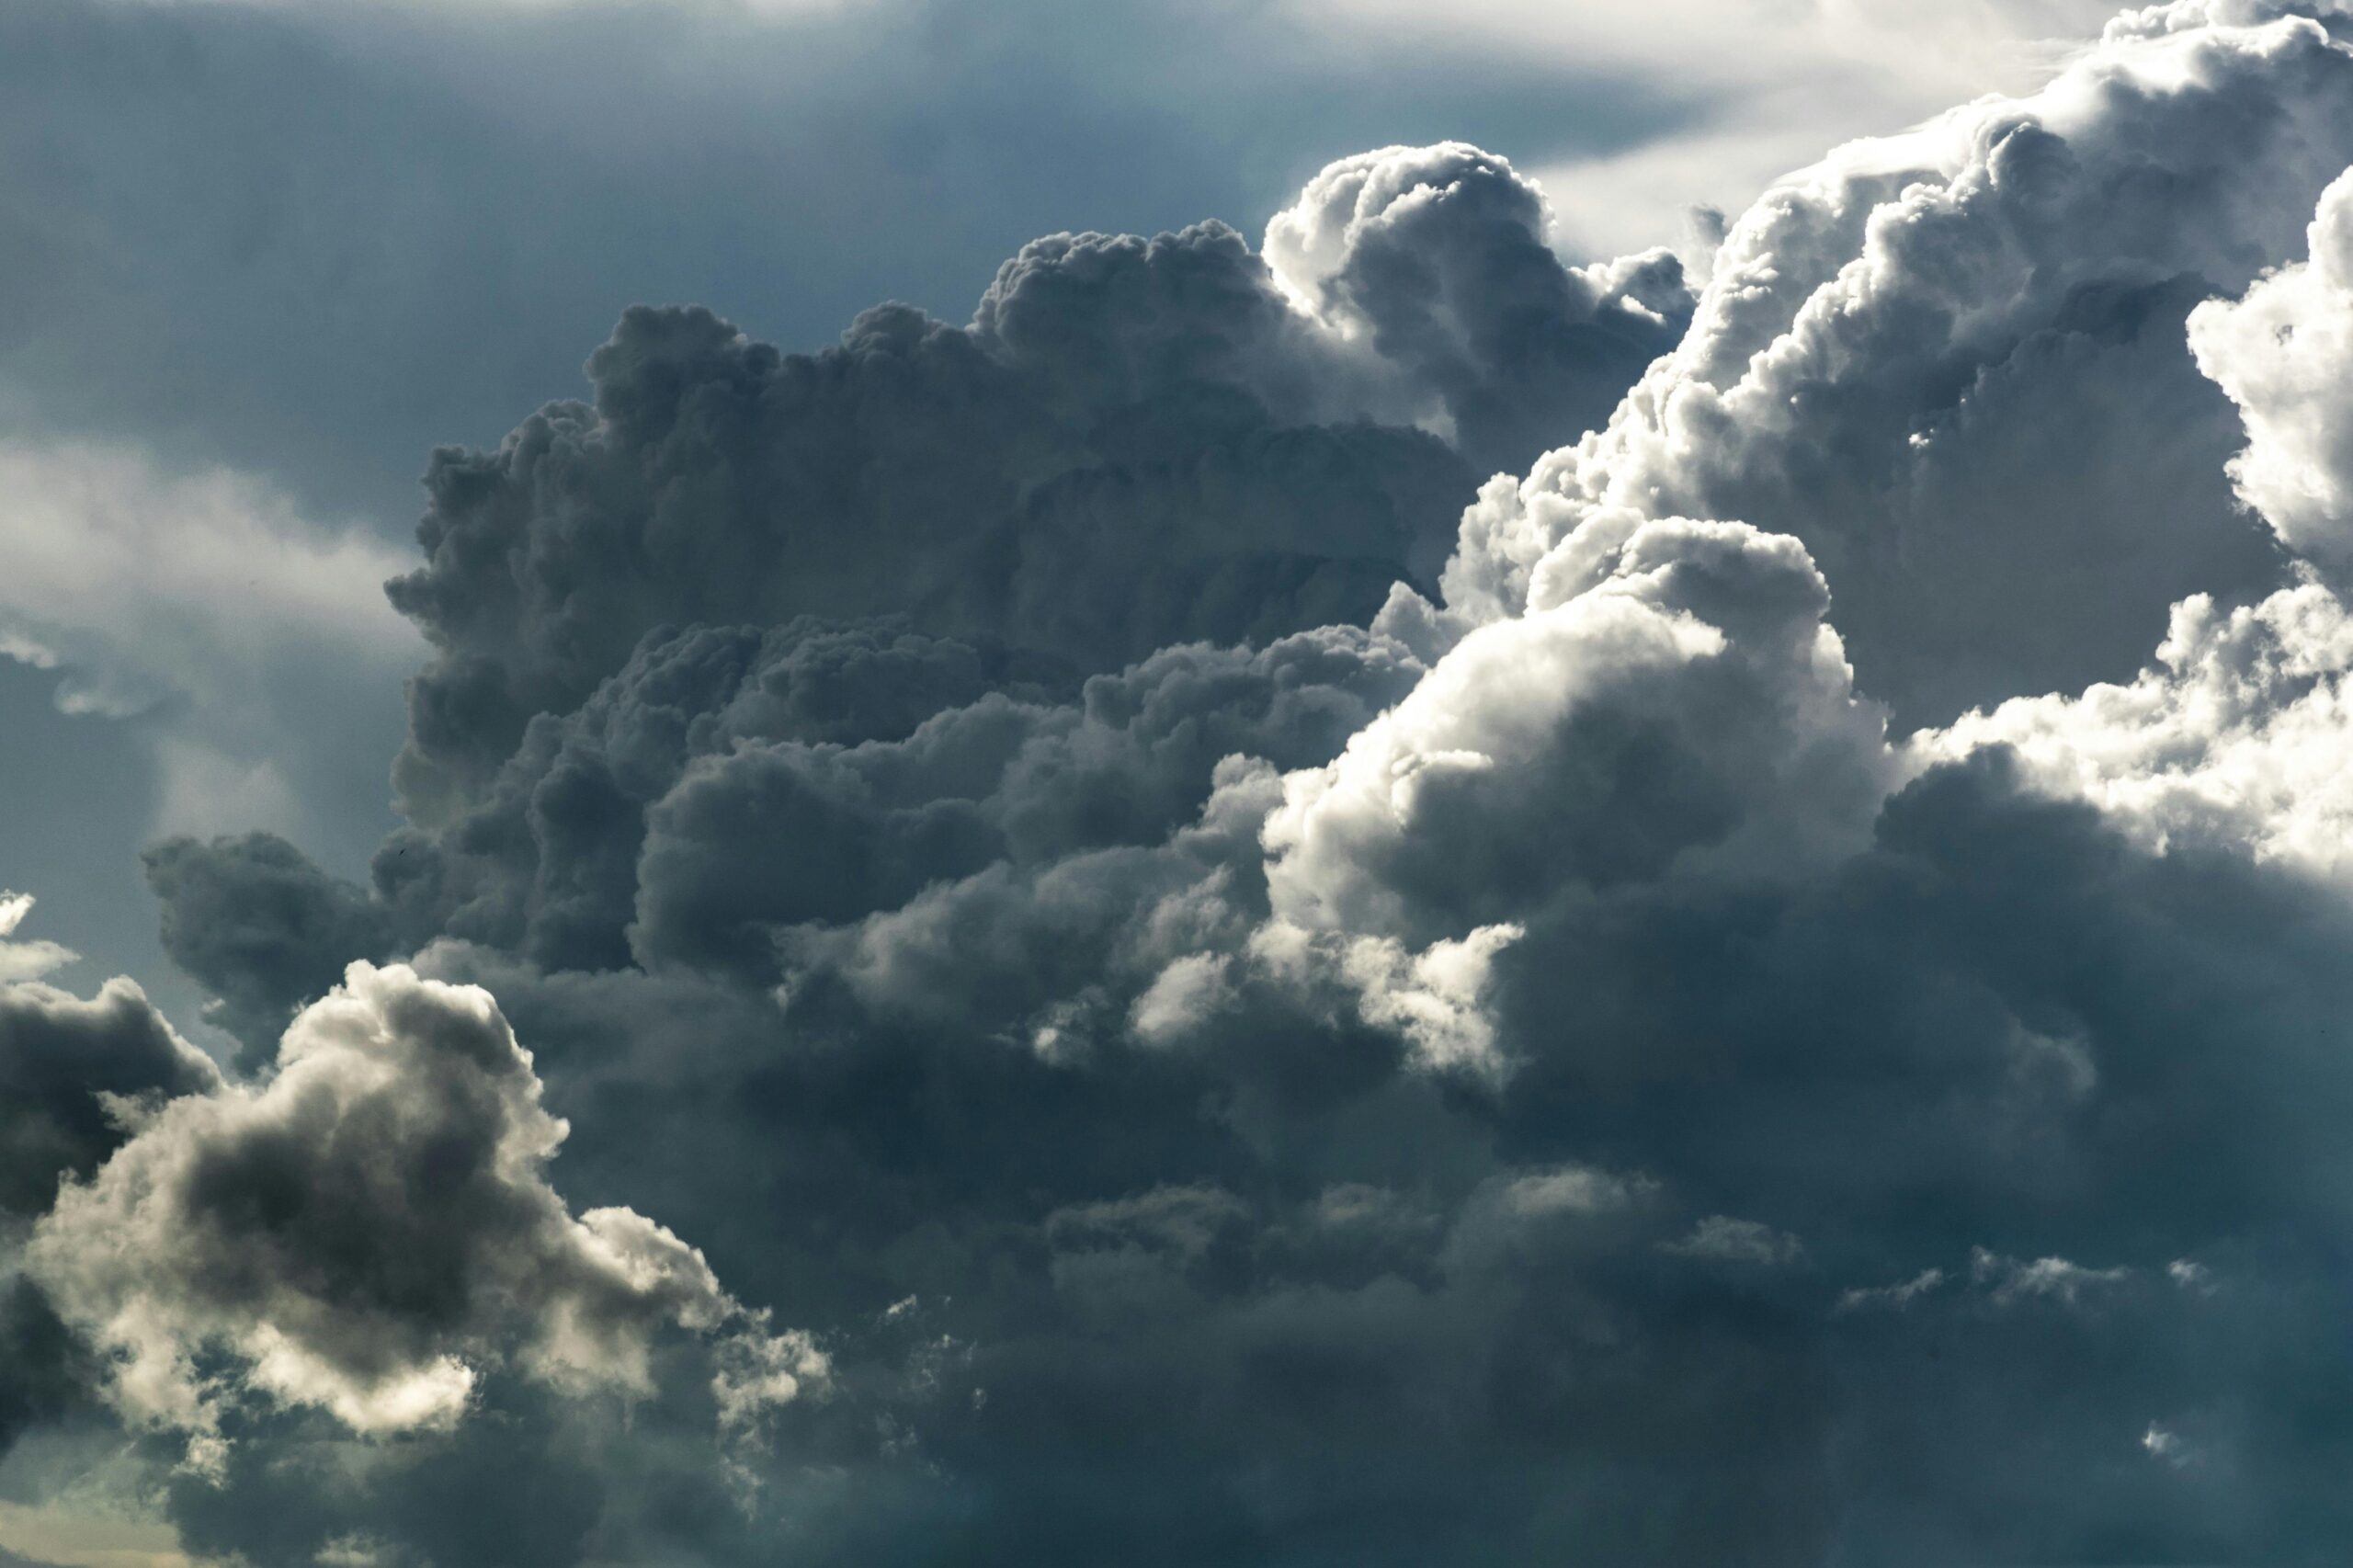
pixel 254 923
pixel 1235 1060
pixel 1133 445
pixel 76 1074
pixel 45 1373
pixel 727 784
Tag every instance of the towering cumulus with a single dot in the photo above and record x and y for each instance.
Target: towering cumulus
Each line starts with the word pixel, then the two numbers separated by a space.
pixel 1372 899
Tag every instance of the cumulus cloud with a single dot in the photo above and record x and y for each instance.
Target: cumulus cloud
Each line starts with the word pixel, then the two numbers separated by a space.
pixel 1687 699
pixel 1438 259
pixel 257 923
pixel 1181 990
pixel 366 1230
pixel 2234 738
pixel 1134 443
pixel 2234 735
pixel 78 1074
pixel 2284 352
pixel 1951 362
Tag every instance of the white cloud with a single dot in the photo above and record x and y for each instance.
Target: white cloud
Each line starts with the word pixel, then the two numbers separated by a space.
pixel 1891 338
pixel 2009 1280
pixel 2284 352
pixel 1895 1297
pixel 26 960
pixel 370 1230
pixel 2237 737
pixel 2237 734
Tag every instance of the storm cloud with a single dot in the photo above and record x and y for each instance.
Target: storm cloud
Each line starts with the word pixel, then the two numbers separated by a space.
pixel 1771 984
pixel 1134 443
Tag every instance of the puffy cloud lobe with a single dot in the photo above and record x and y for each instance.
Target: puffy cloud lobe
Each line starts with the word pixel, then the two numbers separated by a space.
pixel 729 782
pixel 365 1232
pixel 546 858
pixel 1690 701
pixel 994 784
pixel 76 1074
pixel 1135 443
pixel 2284 353
pixel 1687 709
pixel 1951 362
pixel 1067 952
pixel 1437 259
pixel 2235 737
pixel 261 927
pixel 76 1078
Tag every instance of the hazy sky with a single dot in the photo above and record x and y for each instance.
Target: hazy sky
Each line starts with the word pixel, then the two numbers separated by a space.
pixel 1133 960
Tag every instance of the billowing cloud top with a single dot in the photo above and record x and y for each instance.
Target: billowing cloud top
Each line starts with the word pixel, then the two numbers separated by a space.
pixel 366 1229
pixel 1772 985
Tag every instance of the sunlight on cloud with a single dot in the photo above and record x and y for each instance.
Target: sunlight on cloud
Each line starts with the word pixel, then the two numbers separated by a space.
pixel 26 960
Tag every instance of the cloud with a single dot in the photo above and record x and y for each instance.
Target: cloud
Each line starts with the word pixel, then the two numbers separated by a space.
pixel 2284 352
pixel 366 1230
pixel 1153 425
pixel 26 960
pixel 78 1074
pixel 257 923
pixel 1653 715
pixel 1246 1046
pixel 1438 259
pixel 1943 360
pixel 2234 735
